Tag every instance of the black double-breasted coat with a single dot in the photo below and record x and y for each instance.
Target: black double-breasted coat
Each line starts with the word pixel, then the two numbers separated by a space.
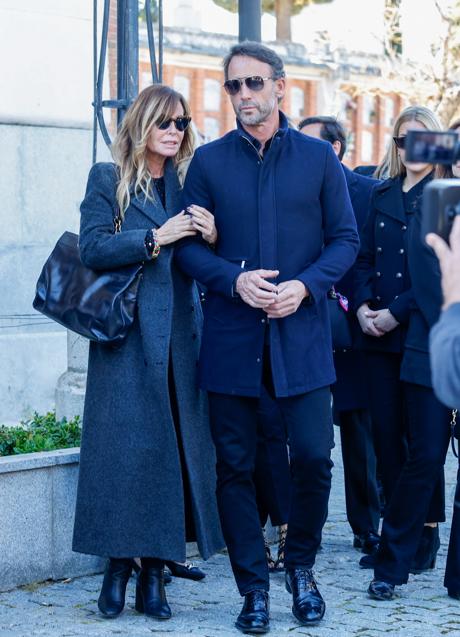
pixel 381 273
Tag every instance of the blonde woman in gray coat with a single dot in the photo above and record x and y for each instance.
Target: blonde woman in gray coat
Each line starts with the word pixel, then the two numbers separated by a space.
pixel 147 466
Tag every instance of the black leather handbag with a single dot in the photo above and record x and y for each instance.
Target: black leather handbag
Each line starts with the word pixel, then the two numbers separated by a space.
pixel 340 327
pixel 99 305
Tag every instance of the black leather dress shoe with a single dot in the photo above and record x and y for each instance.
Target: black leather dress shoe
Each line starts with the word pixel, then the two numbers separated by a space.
pixel 308 606
pixel 381 590
pixel 454 593
pixel 366 542
pixel 150 593
pixel 187 570
pixel 112 597
pixel 255 614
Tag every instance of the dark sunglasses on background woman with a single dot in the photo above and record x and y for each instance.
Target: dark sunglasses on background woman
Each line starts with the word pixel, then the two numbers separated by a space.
pixel 400 141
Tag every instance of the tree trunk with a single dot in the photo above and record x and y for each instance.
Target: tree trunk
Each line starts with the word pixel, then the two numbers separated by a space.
pixel 283 19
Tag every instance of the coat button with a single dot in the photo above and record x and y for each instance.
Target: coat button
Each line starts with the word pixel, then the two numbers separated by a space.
pixel 258 360
pixel 382 224
pixel 378 298
pixel 404 228
pixel 401 250
pixel 398 275
pixel 397 296
pixel 262 320
pixel 379 249
pixel 194 337
pixel 378 274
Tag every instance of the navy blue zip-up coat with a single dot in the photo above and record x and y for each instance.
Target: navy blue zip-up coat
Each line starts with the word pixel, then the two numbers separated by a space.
pixel 291 212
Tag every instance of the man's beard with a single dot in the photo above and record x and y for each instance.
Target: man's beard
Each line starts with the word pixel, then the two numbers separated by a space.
pixel 263 112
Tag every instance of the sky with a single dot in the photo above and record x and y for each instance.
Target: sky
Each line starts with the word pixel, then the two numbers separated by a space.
pixel 355 24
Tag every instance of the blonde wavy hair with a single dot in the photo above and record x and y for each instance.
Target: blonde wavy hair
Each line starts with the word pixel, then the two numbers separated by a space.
pixel 421 114
pixel 152 106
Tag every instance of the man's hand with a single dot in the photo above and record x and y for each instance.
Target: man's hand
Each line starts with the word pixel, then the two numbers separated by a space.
pixel 290 296
pixel 254 290
pixel 449 261
pixel 385 321
pixel 203 221
pixel 366 318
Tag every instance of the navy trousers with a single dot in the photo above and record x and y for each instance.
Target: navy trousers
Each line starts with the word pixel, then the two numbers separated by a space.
pixel 428 433
pixel 359 470
pixel 389 412
pixel 308 420
pixel 271 475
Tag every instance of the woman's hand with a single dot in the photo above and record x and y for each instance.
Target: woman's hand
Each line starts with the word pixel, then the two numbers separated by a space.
pixel 203 221
pixel 366 321
pixel 175 228
pixel 384 320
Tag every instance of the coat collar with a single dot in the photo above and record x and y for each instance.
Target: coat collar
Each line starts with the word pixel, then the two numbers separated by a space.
pixel 389 196
pixel 351 179
pixel 280 133
pixel 153 209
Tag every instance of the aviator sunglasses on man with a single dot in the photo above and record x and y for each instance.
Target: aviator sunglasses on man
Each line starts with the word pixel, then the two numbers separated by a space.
pixel 253 82
pixel 180 123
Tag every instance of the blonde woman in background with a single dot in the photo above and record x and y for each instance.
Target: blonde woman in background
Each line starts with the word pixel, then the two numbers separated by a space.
pixel 410 429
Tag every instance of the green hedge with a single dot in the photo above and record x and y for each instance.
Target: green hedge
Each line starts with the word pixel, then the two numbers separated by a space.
pixel 40 433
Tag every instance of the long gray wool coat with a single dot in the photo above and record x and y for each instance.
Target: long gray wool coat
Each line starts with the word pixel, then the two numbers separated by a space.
pixel 130 498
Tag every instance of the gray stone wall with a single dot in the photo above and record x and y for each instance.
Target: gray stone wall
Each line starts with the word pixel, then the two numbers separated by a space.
pixel 43 172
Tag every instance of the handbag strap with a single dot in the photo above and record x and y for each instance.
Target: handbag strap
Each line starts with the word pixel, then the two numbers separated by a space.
pixel 117 220
pixel 453 423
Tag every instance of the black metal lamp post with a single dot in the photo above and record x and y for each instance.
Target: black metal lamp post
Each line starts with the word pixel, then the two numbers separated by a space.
pixel 249 14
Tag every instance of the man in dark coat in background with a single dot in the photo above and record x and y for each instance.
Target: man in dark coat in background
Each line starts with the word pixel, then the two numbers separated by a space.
pixel 286 233
pixel 350 396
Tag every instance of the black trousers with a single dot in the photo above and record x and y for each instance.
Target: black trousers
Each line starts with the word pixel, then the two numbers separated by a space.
pixel 388 417
pixel 359 470
pixel 452 576
pixel 272 478
pixel 428 432
pixel 389 412
pixel 308 421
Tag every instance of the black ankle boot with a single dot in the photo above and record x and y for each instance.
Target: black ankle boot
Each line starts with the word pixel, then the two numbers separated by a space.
pixel 150 592
pixel 425 558
pixel 112 598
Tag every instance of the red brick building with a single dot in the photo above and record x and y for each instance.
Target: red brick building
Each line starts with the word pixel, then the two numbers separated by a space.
pixel 318 83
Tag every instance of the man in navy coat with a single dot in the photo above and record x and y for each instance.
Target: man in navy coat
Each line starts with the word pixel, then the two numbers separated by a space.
pixel 286 233
pixel 351 407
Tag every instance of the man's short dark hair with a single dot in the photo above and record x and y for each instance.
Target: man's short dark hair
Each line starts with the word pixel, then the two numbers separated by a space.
pixel 331 130
pixel 259 52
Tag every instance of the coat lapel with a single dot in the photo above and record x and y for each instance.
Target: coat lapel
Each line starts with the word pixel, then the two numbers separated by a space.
pixel 173 190
pixel 389 200
pixel 154 209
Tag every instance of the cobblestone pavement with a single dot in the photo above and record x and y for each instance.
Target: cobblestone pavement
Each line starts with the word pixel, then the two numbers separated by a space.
pixel 209 608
